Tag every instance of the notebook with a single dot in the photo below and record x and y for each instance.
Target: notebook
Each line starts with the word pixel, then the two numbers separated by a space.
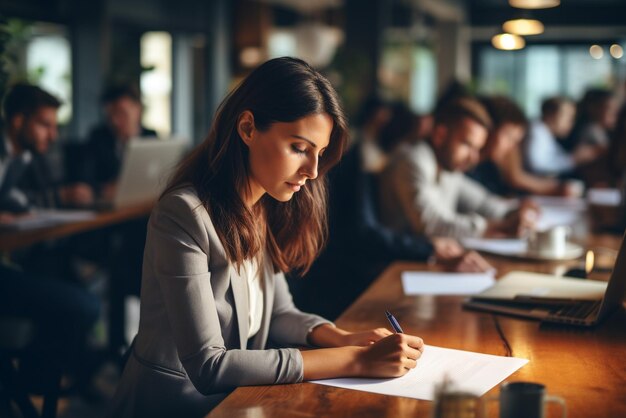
pixel 146 166
pixel 555 299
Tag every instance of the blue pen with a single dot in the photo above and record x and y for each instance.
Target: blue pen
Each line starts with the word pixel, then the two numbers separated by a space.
pixel 394 323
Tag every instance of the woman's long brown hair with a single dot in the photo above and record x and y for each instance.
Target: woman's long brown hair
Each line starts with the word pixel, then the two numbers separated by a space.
pixel 293 232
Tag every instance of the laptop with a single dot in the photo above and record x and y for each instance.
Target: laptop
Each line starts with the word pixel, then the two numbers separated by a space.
pixel 555 299
pixel 146 167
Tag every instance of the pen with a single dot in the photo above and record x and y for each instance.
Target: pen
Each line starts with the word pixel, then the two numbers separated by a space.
pixel 394 322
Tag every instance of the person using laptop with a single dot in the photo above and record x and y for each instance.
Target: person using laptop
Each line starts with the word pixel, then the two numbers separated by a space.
pixel 424 188
pixel 245 206
pixel 107 141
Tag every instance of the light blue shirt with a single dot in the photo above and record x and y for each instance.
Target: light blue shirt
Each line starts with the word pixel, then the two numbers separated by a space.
pixel 544 155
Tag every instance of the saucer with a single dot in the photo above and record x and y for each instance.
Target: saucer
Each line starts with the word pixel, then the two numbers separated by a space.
pixel 572 252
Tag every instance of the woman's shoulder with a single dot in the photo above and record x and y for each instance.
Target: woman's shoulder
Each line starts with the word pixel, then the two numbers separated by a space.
pixel 185 195
pixel 181 202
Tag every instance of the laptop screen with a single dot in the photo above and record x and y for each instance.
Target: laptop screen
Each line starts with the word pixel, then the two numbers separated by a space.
pixel 616 289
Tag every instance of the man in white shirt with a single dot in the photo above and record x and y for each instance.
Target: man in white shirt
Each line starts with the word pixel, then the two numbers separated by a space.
pixel 424 188
pixel 544 154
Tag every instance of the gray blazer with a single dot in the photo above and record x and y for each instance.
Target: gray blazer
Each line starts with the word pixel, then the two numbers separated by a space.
pixel 192 346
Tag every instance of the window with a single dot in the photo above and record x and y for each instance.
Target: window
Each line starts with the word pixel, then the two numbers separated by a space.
pixel 40 53
pixel 541 71
pixel 156 82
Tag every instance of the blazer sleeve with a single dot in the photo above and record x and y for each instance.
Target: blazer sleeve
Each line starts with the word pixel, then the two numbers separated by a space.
pixel 180 262
pixel 290 326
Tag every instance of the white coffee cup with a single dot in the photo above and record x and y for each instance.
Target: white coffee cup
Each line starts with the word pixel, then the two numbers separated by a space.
pixel 550 242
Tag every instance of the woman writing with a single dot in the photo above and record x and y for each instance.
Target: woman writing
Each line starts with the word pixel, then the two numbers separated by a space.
pixel 246 205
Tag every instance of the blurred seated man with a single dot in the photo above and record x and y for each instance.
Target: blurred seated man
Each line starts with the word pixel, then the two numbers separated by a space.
pixel 30 127
pixel 424 189
pixel 107 141
pixel 543 153
pixel 501 169
pixel 62 311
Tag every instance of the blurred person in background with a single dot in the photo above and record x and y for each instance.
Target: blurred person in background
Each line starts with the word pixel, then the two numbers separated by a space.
pixel 370 120
pixel 424 189
pixel 597 116
pixel 543 152
pixel 106 143
pixel 501 169
pixel 30 115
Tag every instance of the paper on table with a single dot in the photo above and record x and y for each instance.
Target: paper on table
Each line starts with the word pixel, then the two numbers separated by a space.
pixel 505 246
pixel 604 197
pixel 48 217
pixel 435 283
pixel 472 372
pixel 572 203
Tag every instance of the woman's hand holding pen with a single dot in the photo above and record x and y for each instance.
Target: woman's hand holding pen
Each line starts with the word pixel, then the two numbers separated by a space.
pixel 372 353
pixel 393 356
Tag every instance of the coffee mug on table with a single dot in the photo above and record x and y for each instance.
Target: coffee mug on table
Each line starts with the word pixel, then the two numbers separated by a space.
pixel 551 242
pixel 524 400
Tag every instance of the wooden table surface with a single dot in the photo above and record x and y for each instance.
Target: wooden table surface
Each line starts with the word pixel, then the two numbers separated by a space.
pixel 11 240
pixel 585 367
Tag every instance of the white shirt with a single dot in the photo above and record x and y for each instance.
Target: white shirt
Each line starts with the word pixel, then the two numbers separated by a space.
pixel 250 272
pixel 544 155
pixel 415 196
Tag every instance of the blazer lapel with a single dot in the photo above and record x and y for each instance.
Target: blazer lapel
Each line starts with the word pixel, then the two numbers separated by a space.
pixel 240 295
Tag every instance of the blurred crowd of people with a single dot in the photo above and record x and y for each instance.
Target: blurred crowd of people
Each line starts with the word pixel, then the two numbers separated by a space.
pixel 414 186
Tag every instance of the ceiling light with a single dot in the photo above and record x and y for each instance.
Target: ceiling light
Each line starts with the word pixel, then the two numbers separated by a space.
pixel 534 4
pixel 508 42
pixel 616 51
pixel 596 52
pixel 523 26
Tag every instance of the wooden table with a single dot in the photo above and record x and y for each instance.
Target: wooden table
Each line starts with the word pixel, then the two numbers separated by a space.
pixel 586 367
pixel 11 240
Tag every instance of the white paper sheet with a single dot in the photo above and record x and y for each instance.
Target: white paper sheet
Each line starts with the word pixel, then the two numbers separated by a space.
pixel 573 203
pixel 506 246
pixel 48 217
pixel 435 283
pixel 472 372
pixel 604 197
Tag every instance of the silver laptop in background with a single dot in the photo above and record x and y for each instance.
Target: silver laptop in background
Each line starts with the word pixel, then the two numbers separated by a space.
pixel 146 167
pixel 555 299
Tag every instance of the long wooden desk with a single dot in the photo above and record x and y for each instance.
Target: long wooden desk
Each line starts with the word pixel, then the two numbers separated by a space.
pixel 586 367
pixel 11 240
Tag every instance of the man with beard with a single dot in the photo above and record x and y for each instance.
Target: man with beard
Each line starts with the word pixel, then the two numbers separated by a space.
pixel 424 188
